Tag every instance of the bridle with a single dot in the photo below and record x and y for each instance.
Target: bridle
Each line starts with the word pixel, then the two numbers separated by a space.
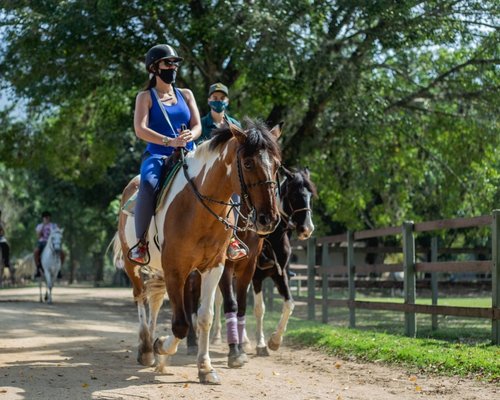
pixel 287 218
pixel 245 194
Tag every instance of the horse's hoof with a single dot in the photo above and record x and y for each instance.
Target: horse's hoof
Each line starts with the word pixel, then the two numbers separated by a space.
pixel 273 345
pixel 158 344
pixel 192 350
pixel 243 354
pixel 262 352
pixel 247 347
pixel 146 359
pixel 209 378
pixel 235 361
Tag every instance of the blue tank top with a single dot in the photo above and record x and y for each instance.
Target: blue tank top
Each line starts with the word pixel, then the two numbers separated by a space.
pixel 178 114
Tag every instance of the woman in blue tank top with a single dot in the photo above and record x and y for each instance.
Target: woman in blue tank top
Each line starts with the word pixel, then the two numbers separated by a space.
pixel 163 135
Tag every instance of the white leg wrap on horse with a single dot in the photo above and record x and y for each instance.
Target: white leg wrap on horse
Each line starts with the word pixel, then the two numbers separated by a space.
pixel 241 329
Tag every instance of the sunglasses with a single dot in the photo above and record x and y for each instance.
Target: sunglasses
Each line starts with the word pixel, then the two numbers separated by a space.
pixel 171 63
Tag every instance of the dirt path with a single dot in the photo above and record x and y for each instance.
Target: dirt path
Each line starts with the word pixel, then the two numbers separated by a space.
pixel 83 347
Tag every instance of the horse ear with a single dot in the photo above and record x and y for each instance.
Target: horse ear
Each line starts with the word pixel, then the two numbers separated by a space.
pixel 287 172
pixel 238 133
pixel 276 131
pixel 307 172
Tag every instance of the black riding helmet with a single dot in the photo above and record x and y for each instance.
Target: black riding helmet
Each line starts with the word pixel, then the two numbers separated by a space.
pixel 160 52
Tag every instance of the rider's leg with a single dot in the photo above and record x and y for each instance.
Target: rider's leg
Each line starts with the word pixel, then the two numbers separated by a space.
pixel 236 250
pixel 38 255
pixel 151 171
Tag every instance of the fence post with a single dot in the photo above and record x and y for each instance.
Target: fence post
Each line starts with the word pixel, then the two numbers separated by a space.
pixel 325 263
pixel 311 284
pixel 495 274
pixel 434 281
pixel 409 277
pixel 350 279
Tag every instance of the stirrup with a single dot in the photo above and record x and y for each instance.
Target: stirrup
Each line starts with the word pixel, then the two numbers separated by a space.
pixel 240 252
pixel 146 258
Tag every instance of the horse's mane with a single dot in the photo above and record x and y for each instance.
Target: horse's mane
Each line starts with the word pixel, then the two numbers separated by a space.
pixel 258 138
pixel 300 178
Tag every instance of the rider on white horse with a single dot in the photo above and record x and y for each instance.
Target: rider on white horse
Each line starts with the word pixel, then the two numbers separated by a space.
pixel 43 231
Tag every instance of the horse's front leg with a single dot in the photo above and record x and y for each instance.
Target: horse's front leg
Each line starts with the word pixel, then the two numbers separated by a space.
pixel 217 325
pixel 209 281
pixel 40 278
pixel 49 284
pixel 259 310
pixel 155 289
pixel 281 282
pixel 230 309
pixel 167 345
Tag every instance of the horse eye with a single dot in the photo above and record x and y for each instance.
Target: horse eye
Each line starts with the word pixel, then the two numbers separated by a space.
pixel 248 164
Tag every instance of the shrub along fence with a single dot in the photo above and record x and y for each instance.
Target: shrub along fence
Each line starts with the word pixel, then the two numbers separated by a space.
pixel 324 274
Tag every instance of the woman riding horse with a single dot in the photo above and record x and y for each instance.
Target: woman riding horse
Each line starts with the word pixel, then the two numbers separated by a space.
pixel 192 227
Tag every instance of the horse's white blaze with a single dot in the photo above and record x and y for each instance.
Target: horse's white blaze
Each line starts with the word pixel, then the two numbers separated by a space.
pixel 308 223
pixel 209 282
pixel 259 310
pixel 267 162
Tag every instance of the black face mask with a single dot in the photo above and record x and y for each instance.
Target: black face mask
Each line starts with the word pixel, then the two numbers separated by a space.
pixel 167 75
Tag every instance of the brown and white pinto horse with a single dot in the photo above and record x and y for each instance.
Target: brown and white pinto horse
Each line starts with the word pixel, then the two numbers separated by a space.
pixel 193 231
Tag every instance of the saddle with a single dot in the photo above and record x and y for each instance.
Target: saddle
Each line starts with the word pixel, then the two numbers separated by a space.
pixel 172 166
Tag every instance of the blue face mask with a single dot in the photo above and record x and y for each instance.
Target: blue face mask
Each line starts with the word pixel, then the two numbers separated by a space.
pixel 218 106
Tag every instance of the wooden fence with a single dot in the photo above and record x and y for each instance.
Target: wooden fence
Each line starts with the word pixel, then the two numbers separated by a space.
pixel 325 272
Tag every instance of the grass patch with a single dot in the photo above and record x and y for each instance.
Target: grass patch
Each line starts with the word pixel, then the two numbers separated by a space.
pixel 428 355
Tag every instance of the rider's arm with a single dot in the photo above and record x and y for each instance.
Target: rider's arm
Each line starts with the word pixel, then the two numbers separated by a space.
pixel 141 118
pixel 195 122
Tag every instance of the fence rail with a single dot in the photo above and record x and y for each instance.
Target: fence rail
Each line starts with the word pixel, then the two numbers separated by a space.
pixel 324 273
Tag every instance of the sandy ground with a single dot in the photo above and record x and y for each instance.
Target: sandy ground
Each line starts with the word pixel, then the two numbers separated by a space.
pixel 84 347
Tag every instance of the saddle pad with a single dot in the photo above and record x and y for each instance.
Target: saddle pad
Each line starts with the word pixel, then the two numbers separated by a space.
pixel 129 207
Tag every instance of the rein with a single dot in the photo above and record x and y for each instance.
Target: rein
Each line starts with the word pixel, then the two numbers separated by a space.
pixel 244 194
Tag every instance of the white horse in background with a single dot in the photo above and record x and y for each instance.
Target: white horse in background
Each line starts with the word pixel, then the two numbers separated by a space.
pixel 51 262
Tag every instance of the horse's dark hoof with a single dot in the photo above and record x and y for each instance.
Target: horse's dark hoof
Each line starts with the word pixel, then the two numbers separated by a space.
pixel 209 378
pixel 243 354
pixel 192 350
pixel 235 361
pixel 262 352
pixel 158 344
pixel 146 359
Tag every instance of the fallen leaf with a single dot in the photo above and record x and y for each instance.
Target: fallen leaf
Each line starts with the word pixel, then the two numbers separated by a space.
pixel 84 385
pixel 276 373
pixel 338 364
pixel 185 385
pixel 418 389
pixel 412 378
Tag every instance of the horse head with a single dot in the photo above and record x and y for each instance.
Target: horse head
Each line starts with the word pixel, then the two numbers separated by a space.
pixel 297 191
pixel 55 240
pixel 258 158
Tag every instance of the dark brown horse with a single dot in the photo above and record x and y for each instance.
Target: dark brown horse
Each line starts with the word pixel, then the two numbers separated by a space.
pixel 295 208
pixel 192 230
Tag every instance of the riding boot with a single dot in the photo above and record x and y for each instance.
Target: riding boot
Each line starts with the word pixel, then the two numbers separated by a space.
pixel 39 270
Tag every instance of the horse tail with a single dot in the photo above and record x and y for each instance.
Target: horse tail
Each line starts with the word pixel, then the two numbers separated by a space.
pixel 117 251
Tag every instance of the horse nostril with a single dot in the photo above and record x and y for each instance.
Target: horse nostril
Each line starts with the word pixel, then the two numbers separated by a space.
pixel 264 219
